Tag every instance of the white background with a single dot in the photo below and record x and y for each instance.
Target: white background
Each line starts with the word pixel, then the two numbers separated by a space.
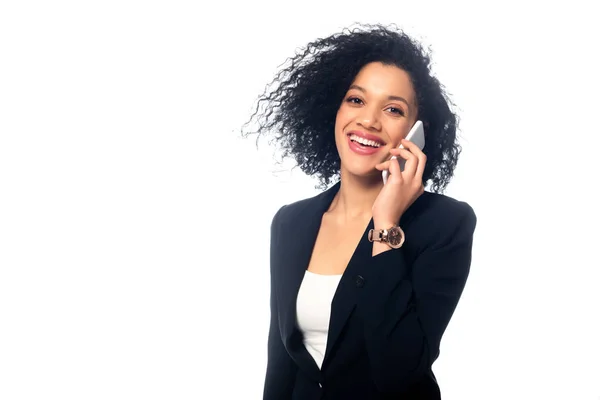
pixel 134 222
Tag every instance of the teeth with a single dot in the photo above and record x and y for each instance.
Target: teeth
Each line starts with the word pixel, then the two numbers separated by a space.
pixel 364 141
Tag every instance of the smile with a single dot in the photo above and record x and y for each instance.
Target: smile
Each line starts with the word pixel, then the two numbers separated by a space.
pixel 363 141
pixel 364 144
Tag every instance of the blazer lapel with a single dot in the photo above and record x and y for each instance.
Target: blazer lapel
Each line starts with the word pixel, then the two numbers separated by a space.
pixel 298 243
pixel 344 299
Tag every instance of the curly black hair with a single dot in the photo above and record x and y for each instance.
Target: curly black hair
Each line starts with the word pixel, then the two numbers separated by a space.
pixel 299 106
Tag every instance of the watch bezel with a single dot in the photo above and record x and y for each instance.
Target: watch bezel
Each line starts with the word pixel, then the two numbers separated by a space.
pixel 393 237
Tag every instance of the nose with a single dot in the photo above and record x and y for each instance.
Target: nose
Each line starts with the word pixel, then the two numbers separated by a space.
pixel 369 119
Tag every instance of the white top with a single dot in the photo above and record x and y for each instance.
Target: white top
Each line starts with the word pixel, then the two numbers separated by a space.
pixel 313 308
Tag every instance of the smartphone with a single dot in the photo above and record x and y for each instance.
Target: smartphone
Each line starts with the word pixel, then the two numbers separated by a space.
pixel 417 136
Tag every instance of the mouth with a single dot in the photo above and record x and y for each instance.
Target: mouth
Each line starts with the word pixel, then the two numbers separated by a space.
pixel 365 139
pixel 363 143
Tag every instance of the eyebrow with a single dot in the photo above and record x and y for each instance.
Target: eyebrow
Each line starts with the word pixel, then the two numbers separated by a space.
pixel 398 98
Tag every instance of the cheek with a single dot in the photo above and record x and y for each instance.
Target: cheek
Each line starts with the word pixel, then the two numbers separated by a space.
pixel 399 130
pixel 339 120
pixel 343 117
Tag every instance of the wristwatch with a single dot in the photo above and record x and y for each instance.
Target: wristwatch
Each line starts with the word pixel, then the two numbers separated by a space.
pixel 393 237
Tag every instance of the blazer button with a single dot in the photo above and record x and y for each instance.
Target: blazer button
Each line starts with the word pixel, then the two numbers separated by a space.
pixel 360 281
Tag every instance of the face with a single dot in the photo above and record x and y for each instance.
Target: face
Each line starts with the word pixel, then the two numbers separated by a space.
pixel 376 113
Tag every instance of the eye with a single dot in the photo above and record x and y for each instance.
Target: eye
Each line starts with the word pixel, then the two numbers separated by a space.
pixel 354 100
pixel 396 110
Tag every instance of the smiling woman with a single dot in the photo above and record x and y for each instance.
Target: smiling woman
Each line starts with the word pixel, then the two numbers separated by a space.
pixel 364 276
pixel 382 100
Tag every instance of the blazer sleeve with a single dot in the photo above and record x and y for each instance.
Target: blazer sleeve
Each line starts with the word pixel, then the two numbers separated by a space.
pixel 406 311
pixel 281 369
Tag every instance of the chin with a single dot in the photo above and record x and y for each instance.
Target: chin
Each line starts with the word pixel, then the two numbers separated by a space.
pixel 363 173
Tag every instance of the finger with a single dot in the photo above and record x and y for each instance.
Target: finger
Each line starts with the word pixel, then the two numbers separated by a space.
pixel 413 148
pixel 383 165
pixel 397 152
pixel 411 161
pixel 417 160
pixel 395 172
pixel 421 157
pixel 421 166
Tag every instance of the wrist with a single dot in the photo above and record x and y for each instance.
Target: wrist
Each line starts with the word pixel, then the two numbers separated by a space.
pixel 384 224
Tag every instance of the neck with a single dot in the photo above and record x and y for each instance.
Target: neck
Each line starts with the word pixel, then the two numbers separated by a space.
pixel 356 196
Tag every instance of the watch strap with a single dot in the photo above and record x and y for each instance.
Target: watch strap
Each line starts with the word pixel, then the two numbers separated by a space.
pixel 377 235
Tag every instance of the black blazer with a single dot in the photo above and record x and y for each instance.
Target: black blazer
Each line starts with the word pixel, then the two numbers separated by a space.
pixel 389 311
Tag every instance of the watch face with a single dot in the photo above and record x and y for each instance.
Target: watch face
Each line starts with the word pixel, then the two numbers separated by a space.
pixel 394 236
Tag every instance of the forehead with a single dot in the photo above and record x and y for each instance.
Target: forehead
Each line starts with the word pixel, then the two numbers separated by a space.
pixel 385 80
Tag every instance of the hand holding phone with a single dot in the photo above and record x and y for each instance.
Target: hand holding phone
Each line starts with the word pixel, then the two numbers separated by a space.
pixel 417 136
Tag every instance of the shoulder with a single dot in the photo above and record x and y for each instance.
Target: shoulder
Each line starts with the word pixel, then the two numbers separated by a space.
pixel 445 209
pixel 290 212
pixel 437 218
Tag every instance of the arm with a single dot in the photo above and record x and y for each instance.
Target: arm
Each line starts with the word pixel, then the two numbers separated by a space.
pixel 280 367
pixel 407 311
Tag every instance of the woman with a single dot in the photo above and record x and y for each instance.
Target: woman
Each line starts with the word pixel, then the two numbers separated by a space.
pixel 364 276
